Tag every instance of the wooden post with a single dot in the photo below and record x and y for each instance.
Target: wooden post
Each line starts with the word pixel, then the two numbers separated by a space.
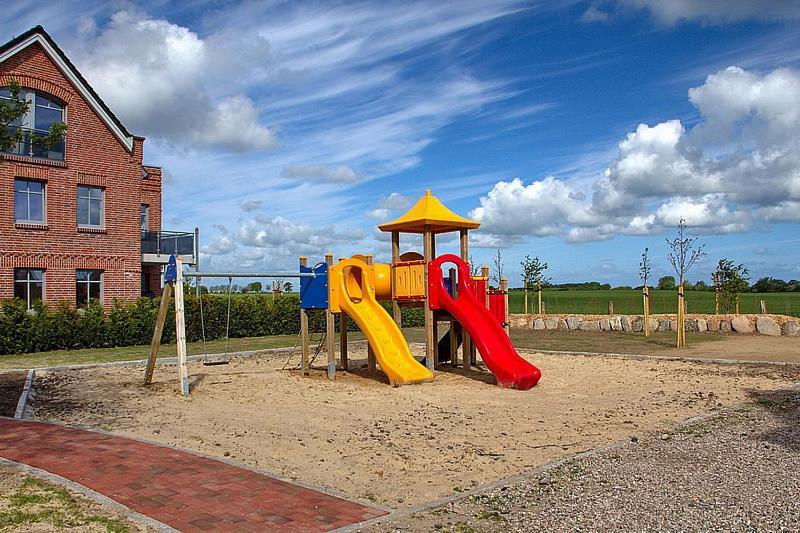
pixel 611 307
pixel 525 297
pixel 430 342
pixel 539 291
pixel 451 274
pixel 342 337
pixel 763 307
pixel 370 352
pixel 396 311
pixel 681 311
pixel 180 328
pixel 737 305
pixel 330 328
pixel 646 310
pixel 485 274
pixel 159 330
pixel 466 343
pixel 716 300
pixel 504 288
pixel 304 331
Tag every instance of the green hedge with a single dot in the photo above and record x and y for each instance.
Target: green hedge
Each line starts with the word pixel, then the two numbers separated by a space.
pixel 132 323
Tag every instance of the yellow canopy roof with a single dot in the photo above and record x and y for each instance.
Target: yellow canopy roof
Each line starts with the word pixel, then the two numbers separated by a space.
pixel 430 212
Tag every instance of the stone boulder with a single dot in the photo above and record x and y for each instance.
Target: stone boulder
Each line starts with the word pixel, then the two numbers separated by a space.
pixel 792 329
pixel 725 326
pixel 616 323
pixel 637 323
pixel 653 324
pixel 742 324
pixel 673 325
pixel 538 324
pixel 663 325
pixel 520 321
pixel 562 324
pixel 589 325
pixel 625 322
pixel 713 324
pixel 573 322
pixel 604 324
pixel 551 322
pixel 701 324
pixel 767 326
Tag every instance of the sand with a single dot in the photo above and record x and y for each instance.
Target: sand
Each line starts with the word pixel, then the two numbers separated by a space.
pixel 397 446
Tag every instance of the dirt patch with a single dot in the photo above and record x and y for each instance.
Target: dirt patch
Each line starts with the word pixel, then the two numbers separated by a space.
pixel 397 446
pixel 11 385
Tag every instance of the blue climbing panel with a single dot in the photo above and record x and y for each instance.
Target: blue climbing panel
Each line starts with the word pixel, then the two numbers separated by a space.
pixel 171 272
pixel 314 291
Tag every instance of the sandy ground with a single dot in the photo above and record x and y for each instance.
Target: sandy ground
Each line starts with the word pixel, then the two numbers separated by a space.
pixel 401 446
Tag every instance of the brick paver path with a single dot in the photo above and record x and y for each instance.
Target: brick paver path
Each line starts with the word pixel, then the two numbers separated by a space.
pixel 183 490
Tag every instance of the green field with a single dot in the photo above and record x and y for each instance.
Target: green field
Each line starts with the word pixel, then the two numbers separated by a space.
pixel 630 302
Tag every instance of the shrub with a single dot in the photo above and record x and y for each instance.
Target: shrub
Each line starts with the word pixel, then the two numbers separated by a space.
pixel 132 323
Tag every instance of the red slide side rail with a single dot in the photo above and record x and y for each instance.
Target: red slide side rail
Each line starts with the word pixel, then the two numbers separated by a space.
pixel 497 350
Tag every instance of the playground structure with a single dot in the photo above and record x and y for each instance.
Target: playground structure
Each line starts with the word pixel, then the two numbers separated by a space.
pixel 355 286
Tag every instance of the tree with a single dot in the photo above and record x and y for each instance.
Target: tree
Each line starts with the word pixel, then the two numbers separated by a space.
pixel 666 283
pixel 254 286
pixel 729 279
pixel 12 110
pixel 700 286
pixel 497 263
pixel 533 273
pixel 287 287
pixel 770 285
pixel 474 270
pixel 683 254
pixel 644 275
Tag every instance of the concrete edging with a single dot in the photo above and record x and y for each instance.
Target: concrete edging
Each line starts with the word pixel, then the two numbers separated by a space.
pixel 27 389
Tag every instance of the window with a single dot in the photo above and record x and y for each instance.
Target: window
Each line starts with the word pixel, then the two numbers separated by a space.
pixel 90 206
pixel 88 286
pixel 28 285
pixel 28 201
pixel 43 112
pixel 144 217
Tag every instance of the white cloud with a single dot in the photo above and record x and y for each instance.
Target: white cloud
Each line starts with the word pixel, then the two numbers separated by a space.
pixel 155 76
pixel 251 205
pixel 335 174
pixel 717 12
pixel 285 238
pixel 736 170
pixel 223 243
pixel 593 14
pixel 393 204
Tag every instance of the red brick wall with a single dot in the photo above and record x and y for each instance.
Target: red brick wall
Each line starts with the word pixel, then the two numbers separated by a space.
pixel 94 156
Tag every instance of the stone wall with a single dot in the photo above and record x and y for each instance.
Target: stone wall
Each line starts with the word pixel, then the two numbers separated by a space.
pixel 774 325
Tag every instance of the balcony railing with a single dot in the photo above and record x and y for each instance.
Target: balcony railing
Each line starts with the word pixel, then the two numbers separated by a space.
pixel 31 147
pixel 167 243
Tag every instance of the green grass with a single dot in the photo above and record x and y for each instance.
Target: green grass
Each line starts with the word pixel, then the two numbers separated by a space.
pixel 130 353
pixel 630 302
pixel 38 503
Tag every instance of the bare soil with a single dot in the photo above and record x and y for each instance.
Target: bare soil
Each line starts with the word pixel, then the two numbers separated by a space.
pixel 397 446
pixel 11 385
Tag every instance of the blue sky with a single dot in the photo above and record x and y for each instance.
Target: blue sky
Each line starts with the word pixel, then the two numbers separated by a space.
pixel 576 131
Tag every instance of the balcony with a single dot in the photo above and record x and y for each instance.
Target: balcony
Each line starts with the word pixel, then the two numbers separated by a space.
pixel 157 246
pixel 29 147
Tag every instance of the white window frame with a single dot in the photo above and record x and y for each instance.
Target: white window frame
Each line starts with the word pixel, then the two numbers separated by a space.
pixel 27 282
pixel 28 120
pixel 44 202
pixel 144 216
pixel 78 197
pixel 88 286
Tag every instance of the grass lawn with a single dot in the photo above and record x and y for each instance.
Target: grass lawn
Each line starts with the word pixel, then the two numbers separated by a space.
pixel 630 302
pixel 605 342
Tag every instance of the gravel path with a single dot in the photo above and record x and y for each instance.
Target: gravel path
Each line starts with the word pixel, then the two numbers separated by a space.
pixel 736 472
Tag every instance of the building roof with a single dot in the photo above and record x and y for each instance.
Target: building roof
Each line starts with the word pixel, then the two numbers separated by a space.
pixel 429 212
pixel 39 35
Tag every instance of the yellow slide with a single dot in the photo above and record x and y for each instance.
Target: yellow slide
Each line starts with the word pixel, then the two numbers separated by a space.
pixel 352 292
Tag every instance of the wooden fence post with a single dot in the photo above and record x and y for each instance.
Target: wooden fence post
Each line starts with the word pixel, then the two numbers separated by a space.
pixel 763 307
pixel 611 307
pixel 180 329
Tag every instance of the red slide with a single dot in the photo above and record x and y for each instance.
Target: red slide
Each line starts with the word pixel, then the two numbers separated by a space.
pixel 497 351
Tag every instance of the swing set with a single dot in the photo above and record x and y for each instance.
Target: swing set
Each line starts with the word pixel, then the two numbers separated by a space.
pixel 173 284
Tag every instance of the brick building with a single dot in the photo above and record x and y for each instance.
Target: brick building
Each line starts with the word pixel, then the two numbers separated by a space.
pixel 80 220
